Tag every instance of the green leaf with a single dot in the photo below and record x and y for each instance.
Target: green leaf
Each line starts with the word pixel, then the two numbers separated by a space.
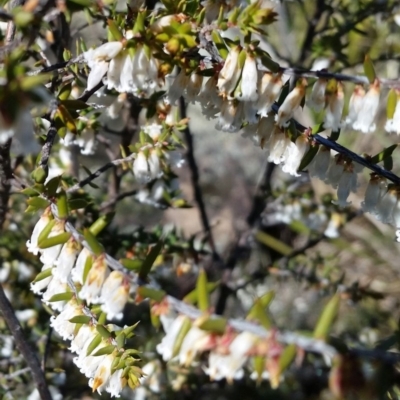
pixel 104 332
pixel 149 261
pixel 87 267
pixel 66 296
pixel 46 230
pixel 104 351
pixel 93 344
pixel 216 325
pixel 385 153
pixel 154 294
pixel 115 32
pixel 318 128
pixel 121 337
pixel 62 238
pixel 202 292
pixel 273 243
pixel 30 82
pixel 257 313
pixel 43 275
pixel 80 319
pixel 94 244
pixel 369 69
pixel 391 103
pixel 287 356
pixel 132 265
pixel 76 204
pixel 52 185
pixel 62 204
pixel 186 325
pixel 38 202
pixel 65 91
pixel 101 223
pixel 191 297
pixel 327 318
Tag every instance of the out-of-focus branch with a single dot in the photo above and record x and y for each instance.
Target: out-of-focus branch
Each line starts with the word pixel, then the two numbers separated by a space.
pixel 23 346
pixel 5 177
pixel 48 145
pixel 198 194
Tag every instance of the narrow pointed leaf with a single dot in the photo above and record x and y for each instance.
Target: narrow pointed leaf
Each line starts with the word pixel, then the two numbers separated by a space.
pixel 93 344
pixel 104 351
pixel 66 296
pixel 369 69
pixel 149 261
pixel 62 238
pixel 202 292
pixel 327 318
pixel 187 324
pixel 80 319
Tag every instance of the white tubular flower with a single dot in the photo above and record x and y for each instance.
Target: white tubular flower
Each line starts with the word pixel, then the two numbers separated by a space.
pixel 38 286
pixel 32 244
pixel 194 342
pixel 50 255
pixel 114 295
pixel 332 230
pixel 393 125
pixel 145 72
pixel 66 260
pixel 94 282
pixel 369 108
pixel 115 383
pixel 278 144
pixel 148 168
pixel 264 131
pixel 78 269
pixel 193 88
pixel 396 211
pixel 375 190
pixel 317 96
pixel 115 72
pixel 209 99
pixel 249 81
pixel 116 107
pixel 85 334
pixel 230 73
pixel 178 86
pixel 61 323
pixel 166 347
pixel 103 373
pixel 347 183
pixel 333 114
pixel 88 364
pixel 335 171
pixel 269 90
pixel 355 105
pixel 230 366
pixel 294 153
pixel 154 130
pixel 55 286
pixel 385 207
pixel 98 60
pixel 291 104
pixel 320 164
pixel 230 118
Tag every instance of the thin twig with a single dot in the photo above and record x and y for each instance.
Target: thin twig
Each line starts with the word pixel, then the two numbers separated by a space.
pixel 97 173
pixel 198 194
pixel 48 145
pixel 23 346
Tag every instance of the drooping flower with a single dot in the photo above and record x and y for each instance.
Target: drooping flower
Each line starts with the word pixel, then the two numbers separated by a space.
pixel 385 207
pixel 334 109
pixel 365 121
pixel 230 73
pixel 147 168
pixel 55 286
pixel 293 155
pixel 194 342
pixel 103 373
pixel 50 254
pixel 316 100
pixel 94 282
pixel 291 104
pixel 98 61
pixel 61 323
pixel 114 295
pixel 347 183
pixel 278 144
pixel 230 118
pixel 249 82
pixel 376 188
pixel 193 87
pixel 355 105
pixel 166 347
pixel 66 260
pixel 178 86
pixel 335 171
pixel 320 164
pixel 269 88
pixel 79 268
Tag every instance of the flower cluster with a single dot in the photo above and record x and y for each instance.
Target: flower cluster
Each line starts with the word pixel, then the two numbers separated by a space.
pixel 71 281
pixel 229 353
